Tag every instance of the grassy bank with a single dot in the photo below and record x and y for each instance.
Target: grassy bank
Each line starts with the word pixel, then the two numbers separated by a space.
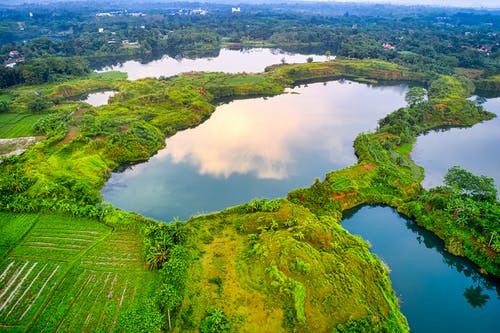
pixel 289 260
pixel 385 174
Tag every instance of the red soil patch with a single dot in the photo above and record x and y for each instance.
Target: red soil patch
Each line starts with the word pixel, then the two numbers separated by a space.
pixel 369 166
pixel 385 136
pixel 191 74
pixel 342 195
pixel 441 106
pixel 201 91
pixel 338 196
pixel 489 251
pixel 78 113
pixel 73 132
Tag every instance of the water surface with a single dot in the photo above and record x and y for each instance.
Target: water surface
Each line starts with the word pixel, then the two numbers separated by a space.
pixel 99 98
pixel 438 292
pixel 475 148
pixel 254 148
pixel 253 60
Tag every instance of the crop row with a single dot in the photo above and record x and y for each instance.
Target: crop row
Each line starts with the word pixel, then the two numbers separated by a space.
pixel 24 285
pixel 87 301
pixel 61 242
pixel 118 251
pixel 16 125
pixel 12 228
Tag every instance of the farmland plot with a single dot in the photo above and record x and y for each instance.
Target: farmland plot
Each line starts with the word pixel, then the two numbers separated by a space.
pixel 24 286
pixel 120 251
pixel 16 125
pixel 60 238
pixel 70 275
pixel 90 300
pixel 12 228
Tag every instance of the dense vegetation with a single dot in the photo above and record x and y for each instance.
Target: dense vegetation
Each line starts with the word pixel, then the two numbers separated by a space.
pixel 434 40
pixel 464 214
pixel 269 263
pixel 287 263
pixel 83 144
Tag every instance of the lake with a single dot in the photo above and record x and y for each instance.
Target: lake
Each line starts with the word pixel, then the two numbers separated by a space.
pixel 263 147
pixel 474 148
pixel 438 292
pixel 253 60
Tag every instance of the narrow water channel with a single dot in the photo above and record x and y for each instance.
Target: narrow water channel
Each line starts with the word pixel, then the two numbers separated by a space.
pixel 474 148
pixel 438 292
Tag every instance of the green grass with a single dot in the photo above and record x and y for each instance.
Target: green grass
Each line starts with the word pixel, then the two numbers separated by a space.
pixel 6 97
pixel 13 125
pixel 305 276
pixel 12 228
pixel 112 75
pixel 249 79
pixel 295 264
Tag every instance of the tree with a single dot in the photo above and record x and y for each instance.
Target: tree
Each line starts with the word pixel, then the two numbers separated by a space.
pixel 415 96
pixel 328 55
pixel 37 104
pixel 466 183
pixel 143 316
pixel 174 274
pixel 4 106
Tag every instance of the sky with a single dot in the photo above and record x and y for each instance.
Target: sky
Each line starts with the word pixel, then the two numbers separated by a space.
pixel 448 3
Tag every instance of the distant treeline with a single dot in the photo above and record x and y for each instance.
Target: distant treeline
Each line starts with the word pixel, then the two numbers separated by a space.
pixel 432 39
pixel 43 70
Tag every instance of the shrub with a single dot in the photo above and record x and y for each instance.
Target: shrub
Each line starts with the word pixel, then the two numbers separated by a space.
pixel 215 321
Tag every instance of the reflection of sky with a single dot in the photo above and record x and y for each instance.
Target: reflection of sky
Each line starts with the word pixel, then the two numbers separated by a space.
pixel 254 148
pixel 100 98
pixel 267 136
pixel 475 149
pixel 228 61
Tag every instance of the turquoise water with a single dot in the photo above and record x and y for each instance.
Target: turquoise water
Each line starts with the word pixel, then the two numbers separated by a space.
pixel 438 292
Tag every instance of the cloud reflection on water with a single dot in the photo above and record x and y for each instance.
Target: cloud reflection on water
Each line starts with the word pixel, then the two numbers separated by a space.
pixel 260 136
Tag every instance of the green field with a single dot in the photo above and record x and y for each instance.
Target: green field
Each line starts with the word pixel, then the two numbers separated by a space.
pixel 67 274
pixel 13 125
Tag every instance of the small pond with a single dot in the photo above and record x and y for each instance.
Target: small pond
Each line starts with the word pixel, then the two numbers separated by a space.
pixel 98 98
